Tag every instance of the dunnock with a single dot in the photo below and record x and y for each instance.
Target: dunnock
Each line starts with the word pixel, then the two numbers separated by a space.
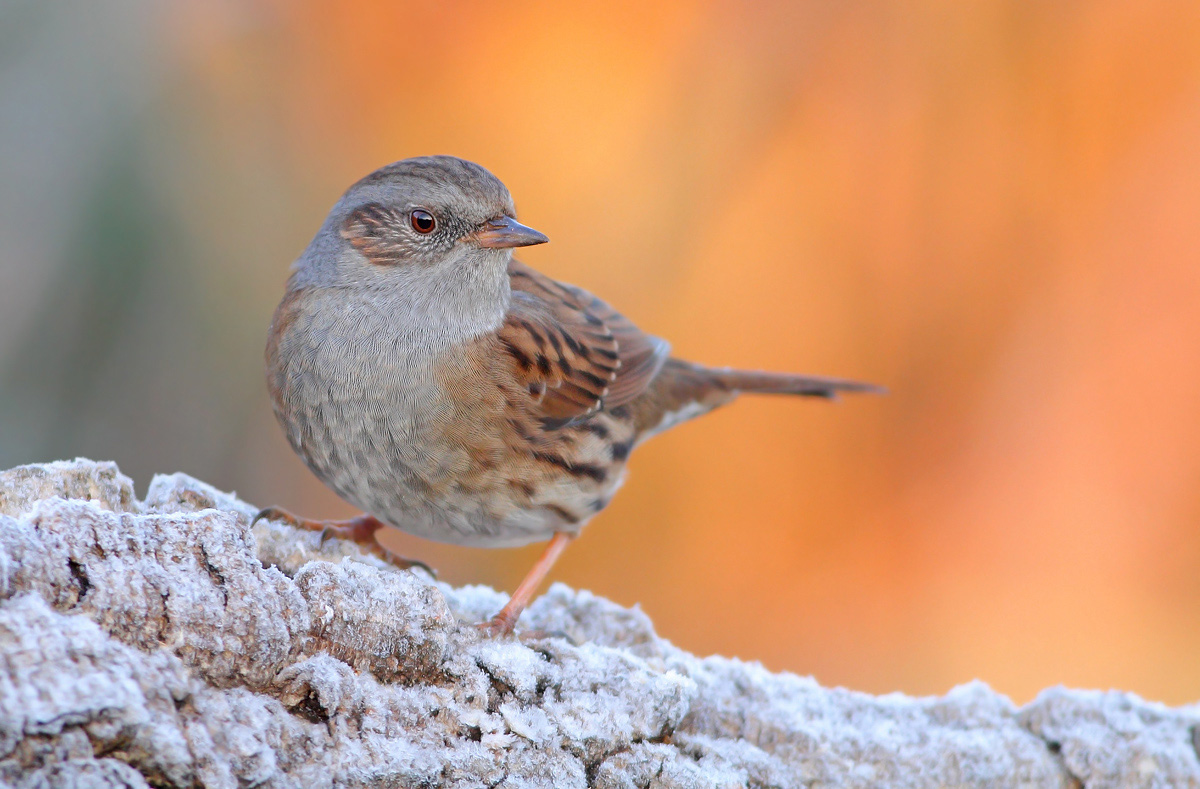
pixel 448 390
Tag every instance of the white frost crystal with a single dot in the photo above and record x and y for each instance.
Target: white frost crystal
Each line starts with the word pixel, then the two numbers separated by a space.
pixel 166 643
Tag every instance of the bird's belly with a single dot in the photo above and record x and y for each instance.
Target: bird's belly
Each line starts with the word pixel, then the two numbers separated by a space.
pixel 407 442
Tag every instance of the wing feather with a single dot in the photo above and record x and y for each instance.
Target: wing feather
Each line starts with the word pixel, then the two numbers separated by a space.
pixel 573 352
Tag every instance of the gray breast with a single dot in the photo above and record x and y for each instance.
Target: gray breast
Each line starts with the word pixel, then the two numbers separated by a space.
pixel 355 399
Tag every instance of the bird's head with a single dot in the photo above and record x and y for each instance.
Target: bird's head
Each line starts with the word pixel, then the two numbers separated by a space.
pixel 429 238
pixel 422 218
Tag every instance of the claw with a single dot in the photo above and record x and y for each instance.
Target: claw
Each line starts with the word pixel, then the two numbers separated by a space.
pixel 275 514
pixel 404 562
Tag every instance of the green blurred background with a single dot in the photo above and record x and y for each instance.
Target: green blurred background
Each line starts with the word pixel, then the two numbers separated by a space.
pixel 991 207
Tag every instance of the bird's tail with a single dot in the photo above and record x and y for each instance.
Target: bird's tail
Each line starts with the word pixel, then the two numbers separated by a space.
pixel 684 390
pixel 786 383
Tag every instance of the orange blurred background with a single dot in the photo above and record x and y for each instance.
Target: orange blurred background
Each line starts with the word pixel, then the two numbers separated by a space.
pixel 993 208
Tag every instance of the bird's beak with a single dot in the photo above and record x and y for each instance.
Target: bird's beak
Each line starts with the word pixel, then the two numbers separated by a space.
pixel 505 232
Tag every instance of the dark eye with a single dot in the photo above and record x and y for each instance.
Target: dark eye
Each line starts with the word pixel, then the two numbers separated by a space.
pixel 422 221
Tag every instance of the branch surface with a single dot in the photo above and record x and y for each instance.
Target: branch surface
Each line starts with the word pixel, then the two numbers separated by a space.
pixel 165 642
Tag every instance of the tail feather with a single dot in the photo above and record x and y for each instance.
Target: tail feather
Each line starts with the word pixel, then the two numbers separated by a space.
pixel 752 381
pixel 683 390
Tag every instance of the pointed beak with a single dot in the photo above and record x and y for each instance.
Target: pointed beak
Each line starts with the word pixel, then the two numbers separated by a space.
pixel 505 232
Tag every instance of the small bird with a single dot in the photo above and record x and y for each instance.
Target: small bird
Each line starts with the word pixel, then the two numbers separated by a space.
pixel 452 392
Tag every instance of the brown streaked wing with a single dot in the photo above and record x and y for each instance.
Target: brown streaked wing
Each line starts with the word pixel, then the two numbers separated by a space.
pixel 574 352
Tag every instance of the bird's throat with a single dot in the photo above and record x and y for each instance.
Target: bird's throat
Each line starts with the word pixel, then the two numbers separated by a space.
pixel 449 304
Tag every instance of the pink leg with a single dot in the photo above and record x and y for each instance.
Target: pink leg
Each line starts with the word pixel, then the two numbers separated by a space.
pixel 503 622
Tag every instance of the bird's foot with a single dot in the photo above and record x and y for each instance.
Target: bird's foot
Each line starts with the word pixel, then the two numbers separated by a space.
pixel 497 626
pixel 501 625
pixel 360 530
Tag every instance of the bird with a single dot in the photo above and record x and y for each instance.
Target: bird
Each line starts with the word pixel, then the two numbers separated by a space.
pixel 446 389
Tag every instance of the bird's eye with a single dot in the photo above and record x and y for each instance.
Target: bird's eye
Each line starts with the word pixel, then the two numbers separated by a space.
pixel 422 221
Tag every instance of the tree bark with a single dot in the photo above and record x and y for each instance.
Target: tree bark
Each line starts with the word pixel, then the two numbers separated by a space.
pixel 165 642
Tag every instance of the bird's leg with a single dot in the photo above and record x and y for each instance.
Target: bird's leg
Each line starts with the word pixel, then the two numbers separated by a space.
pixel 503 622
pixel 360 530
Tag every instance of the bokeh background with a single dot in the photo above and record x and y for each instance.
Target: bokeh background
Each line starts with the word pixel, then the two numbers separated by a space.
pixel 992 207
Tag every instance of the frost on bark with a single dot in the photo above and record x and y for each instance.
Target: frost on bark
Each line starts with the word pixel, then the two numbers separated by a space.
pixel 165 642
